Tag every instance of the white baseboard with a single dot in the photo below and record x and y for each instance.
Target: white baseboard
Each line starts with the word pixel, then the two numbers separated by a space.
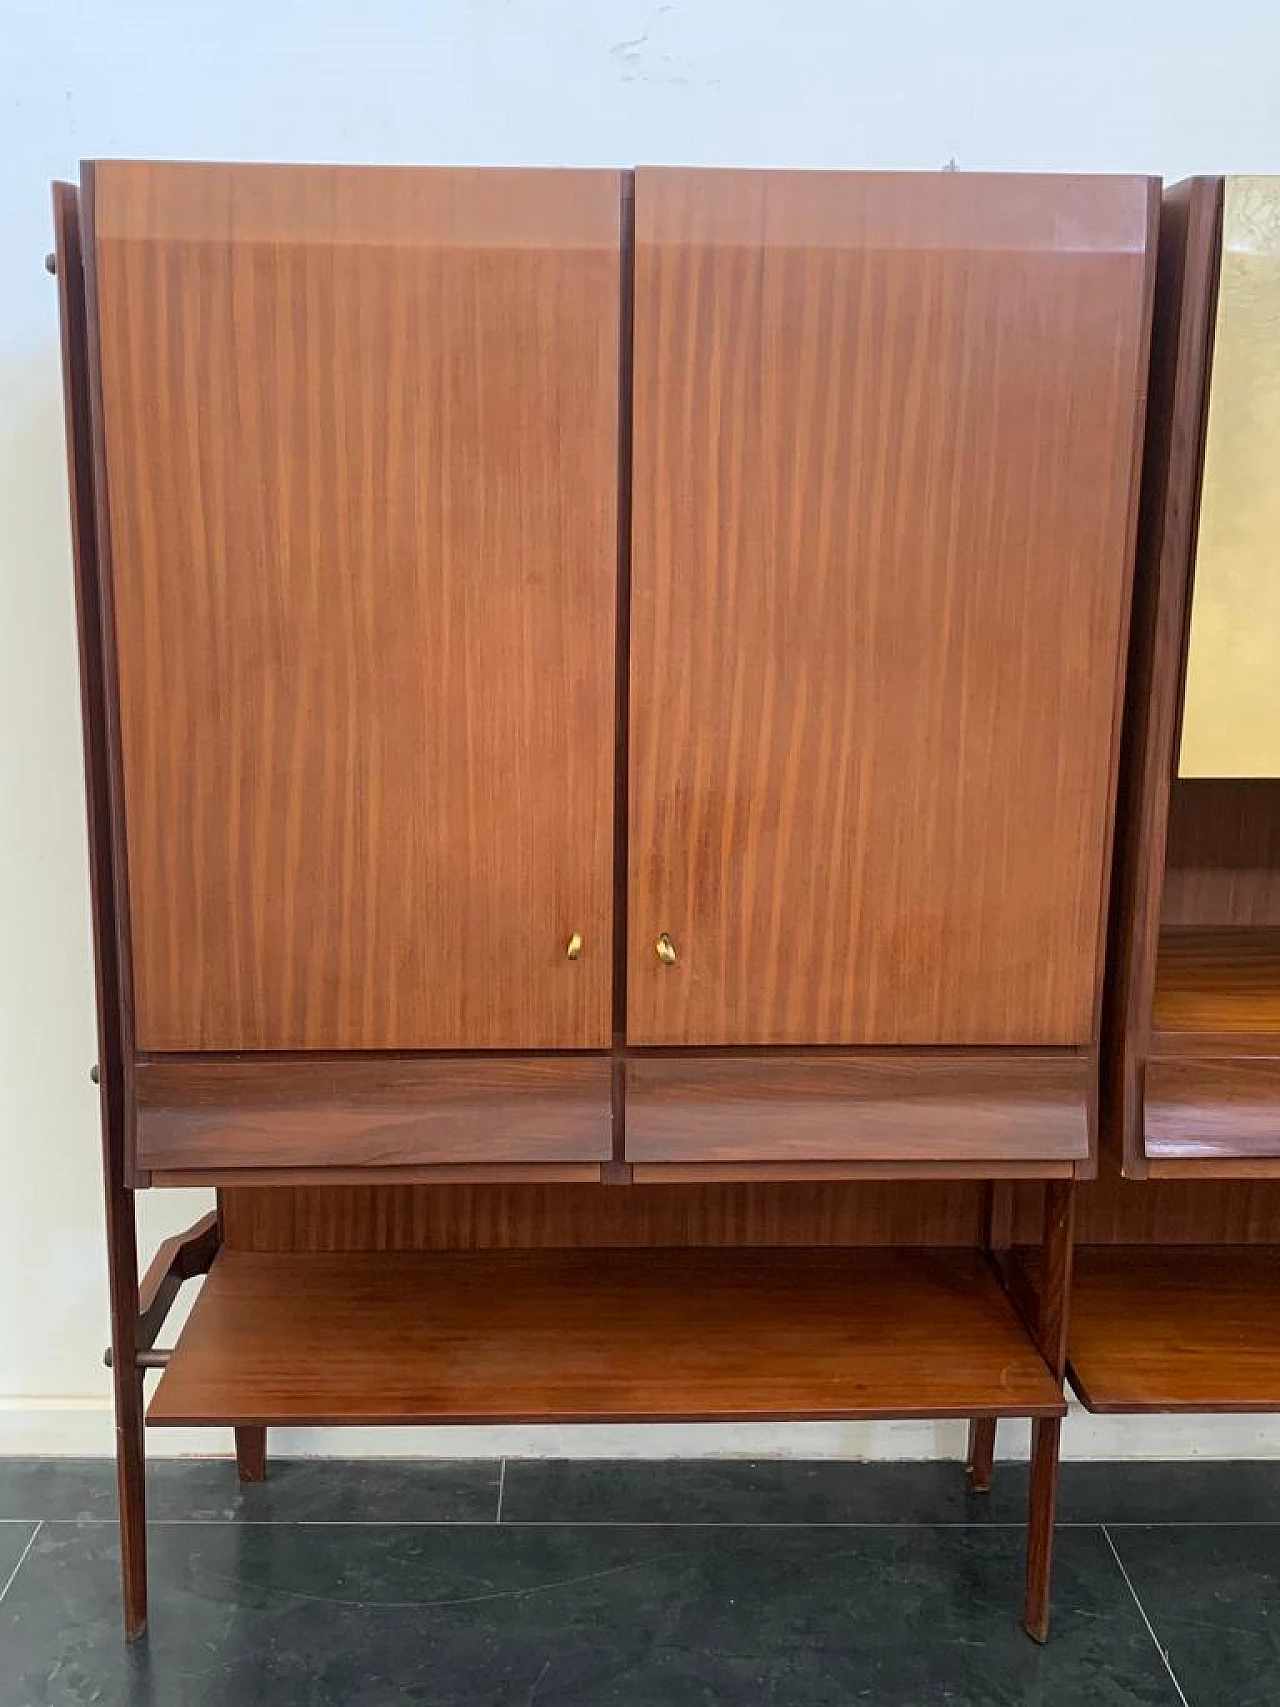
pixel 83 1428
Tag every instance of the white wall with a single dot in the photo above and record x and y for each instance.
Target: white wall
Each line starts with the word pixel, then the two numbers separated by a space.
pixel 1171 87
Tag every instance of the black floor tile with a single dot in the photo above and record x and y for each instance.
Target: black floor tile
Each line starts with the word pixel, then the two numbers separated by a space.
pixel 770 1491
pixel 78 1488
pixel 13 1541
pixel 641 1491
pixel 1173 1492
pixel 301 1490
pixel 581 1617
pixel 1213 1598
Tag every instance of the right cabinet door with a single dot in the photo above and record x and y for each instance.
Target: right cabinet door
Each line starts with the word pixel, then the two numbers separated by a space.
pixel 885 456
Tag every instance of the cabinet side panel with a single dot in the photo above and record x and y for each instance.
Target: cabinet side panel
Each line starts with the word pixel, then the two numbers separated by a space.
pixel 361 433
pixel 884 473
pixel 1182 326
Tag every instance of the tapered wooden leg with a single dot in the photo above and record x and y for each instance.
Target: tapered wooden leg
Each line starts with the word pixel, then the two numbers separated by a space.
pixel 1046 1434
pixel 126 1381
pixel 251 1454
pixel 981 1455
pixel 132 1492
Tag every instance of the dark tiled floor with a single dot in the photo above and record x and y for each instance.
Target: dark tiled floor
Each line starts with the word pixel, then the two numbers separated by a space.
pixel 640 1585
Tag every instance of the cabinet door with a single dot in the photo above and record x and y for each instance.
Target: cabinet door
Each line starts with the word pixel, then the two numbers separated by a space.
pixel 360 433
pixel 885 458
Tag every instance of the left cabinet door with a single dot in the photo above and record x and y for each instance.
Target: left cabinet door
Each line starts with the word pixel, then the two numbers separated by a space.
pixel 360 444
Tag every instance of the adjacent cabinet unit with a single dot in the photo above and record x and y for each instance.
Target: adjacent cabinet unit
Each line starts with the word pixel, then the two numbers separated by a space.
pixel 603 700
pixel 1177 1296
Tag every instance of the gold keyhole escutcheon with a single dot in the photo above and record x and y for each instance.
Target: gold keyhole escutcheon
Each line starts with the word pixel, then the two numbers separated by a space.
pixel 573 948
pixel 665 949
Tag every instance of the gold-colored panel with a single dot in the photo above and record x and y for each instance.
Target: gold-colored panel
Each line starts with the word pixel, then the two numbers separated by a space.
pixel 1231 724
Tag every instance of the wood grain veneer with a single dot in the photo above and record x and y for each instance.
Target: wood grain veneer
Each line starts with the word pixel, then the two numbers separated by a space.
pixel 373 1111
pixel 876 633
pixel 906 1106
pixel 1188 1329
pixel 601 1336
pixel 406 1218
pixel 1213 1107
pixel 1197 1211
pixel 1218 981
pixel 361 439
pixel 1223 861
pixel 1231 713
pixel 426 1173
pixel 980 1168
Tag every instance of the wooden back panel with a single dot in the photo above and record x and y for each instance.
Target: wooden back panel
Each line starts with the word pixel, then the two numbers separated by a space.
pixel 464 1217
pixel 885 456
pixel 1222 865
pixel 361 457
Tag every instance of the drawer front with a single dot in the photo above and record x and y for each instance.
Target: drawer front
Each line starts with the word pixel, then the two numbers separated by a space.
pixel 1213 1106
pixel 333 1113
pixel 903 1106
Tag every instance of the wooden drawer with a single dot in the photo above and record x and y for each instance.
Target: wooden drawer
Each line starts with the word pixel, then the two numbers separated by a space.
pixel 353 1112
pixel 901 1106
pixel 1212 1106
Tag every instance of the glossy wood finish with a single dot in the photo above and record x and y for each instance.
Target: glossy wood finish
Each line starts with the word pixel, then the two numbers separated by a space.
pixel 361 437
pixel 1223 865
pixel 1186 282
pixel 110 955
pixel 1218 981
pixel 693 1173
pixel 1231 713
pixel 543 1337
pixel 378 1178
pixel 1233 1167
pixel 374 1111
pixel 908 1106
pixel 1213 1107
pixel 1194 1328
pixel 876 633
pixel 406 1218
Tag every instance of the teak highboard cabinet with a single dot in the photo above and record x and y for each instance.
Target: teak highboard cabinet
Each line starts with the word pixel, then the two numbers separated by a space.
pixel 602 698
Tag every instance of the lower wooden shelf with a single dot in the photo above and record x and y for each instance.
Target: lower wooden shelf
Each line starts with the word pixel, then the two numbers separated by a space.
pixel 601 1335
pixel 1176 1328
